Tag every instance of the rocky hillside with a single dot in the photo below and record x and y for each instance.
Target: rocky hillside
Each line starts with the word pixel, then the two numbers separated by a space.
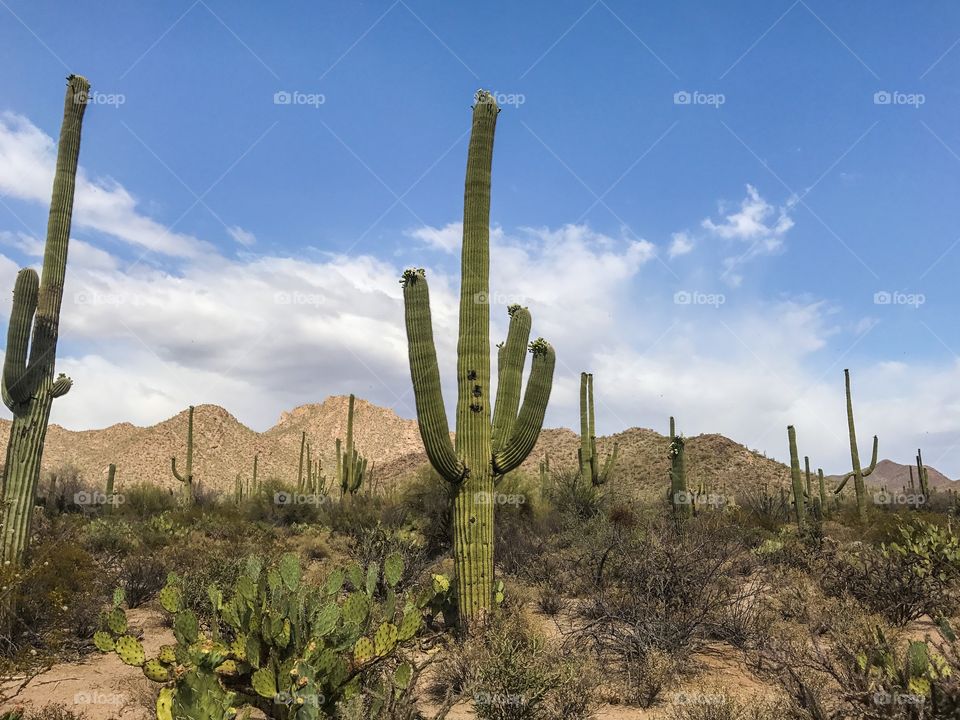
pixel 895 476
pixel 225 447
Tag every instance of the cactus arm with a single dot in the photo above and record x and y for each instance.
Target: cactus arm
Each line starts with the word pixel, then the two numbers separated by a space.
pixel 863 472
pixel 608 466
pixel 431 414
pixel 590 413
pixel 61 386
pixel 510 375
pixel 530 420
pixel 857 472
pixel 18 381
pixel 173 467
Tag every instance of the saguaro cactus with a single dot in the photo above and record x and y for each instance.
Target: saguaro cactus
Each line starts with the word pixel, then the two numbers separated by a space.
pixel 924 477
pixel 303 443
pixel 187 477
pixel 351 465
pixel 486 448
pixel 28 386
pixel 799 505
pixel 858 473
pixel 680 497
pixel 111 476
pixel 587 454
pixel 823 491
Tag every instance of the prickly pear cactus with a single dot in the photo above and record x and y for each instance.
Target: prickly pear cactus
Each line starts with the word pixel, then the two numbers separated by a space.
pixel 290 649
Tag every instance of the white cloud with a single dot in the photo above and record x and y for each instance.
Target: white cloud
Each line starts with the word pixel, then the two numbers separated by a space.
pixel 27 162
pixel 680 244
pixel 446 239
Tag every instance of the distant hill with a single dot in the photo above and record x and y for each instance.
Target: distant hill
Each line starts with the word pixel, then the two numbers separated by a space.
pixel 223 447
pixel 895 476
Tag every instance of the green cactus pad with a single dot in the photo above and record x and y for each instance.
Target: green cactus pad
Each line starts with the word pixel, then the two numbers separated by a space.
pixel 441 583
pixel 227 667
pixel 363 651
pixel 238 648
pixel 410 625
pixel 334 582
pixel 119 597
pixel 165 704
pixel 117 621
pixel 281 635
pixel 154 670
pixel 104 641
pixel 171 599
pixel 130 650
pixel 355 575
pixel 402 676
pixel 355 608
pixel 185 627
pixel 373 573
pixel 326 620
pixel 264 683
pixel 273 580
pixel 290 571
pixel 167 654
pixel 393 569
pixel 385 639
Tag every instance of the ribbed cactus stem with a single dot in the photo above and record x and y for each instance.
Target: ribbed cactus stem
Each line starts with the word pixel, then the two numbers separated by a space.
pixel 913 487
pixel 28 387
pixel 111 476
pixel 587 454
pixel 187 478
pixel 823 490
pixel 303 441
pixel 858 473
pixel 487 446
pixel 256 462
pixel 923 476
pixel 680 498
pixel 799 506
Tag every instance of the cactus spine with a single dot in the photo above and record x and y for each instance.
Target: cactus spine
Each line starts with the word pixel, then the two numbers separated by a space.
pixel 187 478
pixel 351 466
pixel 680 497
pixel 799 506
pixel 28 386
pixel 485 448
pixel 587 454
pixel 858 473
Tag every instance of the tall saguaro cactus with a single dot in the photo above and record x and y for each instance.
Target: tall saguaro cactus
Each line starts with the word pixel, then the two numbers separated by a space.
pixel 486 447
pixel 187 477
pixel 587 454
pixel 799 503
pixel 858 473
pixel 924 477
pixel 28 386
pixel 680 497
pixel 351 465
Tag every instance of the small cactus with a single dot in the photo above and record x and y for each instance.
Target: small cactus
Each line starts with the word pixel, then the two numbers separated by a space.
pixel 187 478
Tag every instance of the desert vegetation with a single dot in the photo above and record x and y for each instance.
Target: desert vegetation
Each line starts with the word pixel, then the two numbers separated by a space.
pixel 475 585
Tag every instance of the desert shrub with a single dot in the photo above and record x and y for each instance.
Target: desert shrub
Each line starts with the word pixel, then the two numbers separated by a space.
pixel 550 598
pixel 661 593
pixel 50 711
pixel 574 496
pixel 764 508
pixel 280 504
pixel 109 537
pixel 201 564
pixel 511 672
pixel 917 575
pixel 141 577
pixel 143 500
pixel 354 514
pixel 717 704
pixel 426 499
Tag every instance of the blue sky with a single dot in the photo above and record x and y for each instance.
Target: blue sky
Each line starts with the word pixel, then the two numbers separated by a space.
pixel 239 250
